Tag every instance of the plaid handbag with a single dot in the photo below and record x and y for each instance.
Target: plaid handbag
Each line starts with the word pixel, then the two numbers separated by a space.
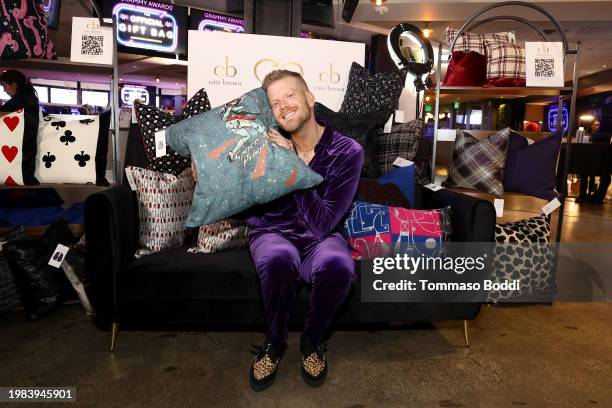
pixel 479 164
pixel 403 141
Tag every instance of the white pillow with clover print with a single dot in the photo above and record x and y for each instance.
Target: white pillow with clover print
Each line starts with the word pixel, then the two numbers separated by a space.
pixel 73 149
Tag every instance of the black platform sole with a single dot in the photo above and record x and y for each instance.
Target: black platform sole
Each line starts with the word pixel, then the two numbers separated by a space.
pixel 314 382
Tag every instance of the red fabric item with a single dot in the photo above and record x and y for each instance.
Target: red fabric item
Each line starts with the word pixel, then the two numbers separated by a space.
pixel 466 69
pixel 504 82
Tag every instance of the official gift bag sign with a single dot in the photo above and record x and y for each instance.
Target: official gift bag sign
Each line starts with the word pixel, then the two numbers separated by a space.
pixel 228 66
pixel 544 63
pixel 146 27
pixel 90 42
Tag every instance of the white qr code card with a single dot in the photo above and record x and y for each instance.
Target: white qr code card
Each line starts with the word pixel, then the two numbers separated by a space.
pixel 91 42
pixel 544 64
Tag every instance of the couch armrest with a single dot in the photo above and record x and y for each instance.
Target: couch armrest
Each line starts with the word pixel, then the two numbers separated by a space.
pixel 111 230
pixel 473 220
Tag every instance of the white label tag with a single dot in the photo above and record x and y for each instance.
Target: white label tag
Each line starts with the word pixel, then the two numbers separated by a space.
pixel 433 187
pixel 544 64
pixel 399 116
pixel 387 128
pixel 58 256
pixel 512 37
pixel 551 206
pixel 400 162
pixel 160 143
pixel 130 179
pixel 499 207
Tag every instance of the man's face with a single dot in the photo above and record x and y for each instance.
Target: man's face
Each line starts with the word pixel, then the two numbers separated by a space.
pixel 291 103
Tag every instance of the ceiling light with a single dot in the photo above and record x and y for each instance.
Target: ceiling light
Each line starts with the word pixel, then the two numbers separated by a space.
pixel 378 6
pixel 604 66
pixel 586 118
pixel 426 30
pixel 427 98
pixel 157 78
pixel 121 79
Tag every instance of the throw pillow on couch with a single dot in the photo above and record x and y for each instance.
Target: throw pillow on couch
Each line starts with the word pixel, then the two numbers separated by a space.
pixel 18 132
pixel 237 166
pixel 73 149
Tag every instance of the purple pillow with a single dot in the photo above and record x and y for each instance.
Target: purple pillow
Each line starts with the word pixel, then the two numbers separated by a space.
pixel 531 168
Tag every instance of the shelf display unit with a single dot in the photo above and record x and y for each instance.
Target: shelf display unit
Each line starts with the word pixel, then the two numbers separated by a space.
pixel 561 93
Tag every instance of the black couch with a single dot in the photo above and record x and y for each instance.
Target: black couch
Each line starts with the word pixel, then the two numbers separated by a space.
pixel 176 289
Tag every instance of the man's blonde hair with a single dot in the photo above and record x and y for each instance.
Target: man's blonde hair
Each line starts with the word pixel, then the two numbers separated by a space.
pixel 279 74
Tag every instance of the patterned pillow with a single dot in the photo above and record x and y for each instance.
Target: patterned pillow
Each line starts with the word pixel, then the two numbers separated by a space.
pixel 73 149
pixel 374 230
pixel 237 166
pixel 505 65
pixel 403 141
pixel 11 151
pixel 164 201
pixel 361 128
pixel 523 251
pixel 221 236
pixel 367 93
pixel 151 120
pixel 474 42
pixel 479 164
pixel 23 31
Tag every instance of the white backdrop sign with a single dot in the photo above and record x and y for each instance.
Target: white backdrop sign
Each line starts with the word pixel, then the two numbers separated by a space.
pixel 90 42
pixel 228 65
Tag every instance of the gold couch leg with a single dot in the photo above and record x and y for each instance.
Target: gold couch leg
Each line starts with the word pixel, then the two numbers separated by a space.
pixel 114 331
pixel 466 337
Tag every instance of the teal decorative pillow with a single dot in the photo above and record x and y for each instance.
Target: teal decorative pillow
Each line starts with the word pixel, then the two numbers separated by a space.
pixel 237 165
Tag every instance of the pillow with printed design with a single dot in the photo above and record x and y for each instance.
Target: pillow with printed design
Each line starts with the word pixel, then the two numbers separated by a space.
pixel 24 32
pixel 237 165
pixel 73 149
pixel 374 230
pixel 18 147
pixel 367 93
pixel 221 236
pixel 164 201
pixel 505 65
pixel 479 164
pixel 152 120
pixel 523 252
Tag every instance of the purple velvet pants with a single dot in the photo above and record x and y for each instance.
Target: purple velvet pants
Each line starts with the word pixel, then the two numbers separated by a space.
pixel 326 265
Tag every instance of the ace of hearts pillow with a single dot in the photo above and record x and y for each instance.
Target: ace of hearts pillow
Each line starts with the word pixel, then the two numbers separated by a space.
pixel 237 166
pixel 18 146
pixel 73 149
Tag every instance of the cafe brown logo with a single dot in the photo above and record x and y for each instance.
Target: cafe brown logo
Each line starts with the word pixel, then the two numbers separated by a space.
pixel 266 65
pixel 225 70
pixel 329 75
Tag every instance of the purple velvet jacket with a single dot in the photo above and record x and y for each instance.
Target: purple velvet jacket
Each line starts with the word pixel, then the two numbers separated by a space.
pixel 308 216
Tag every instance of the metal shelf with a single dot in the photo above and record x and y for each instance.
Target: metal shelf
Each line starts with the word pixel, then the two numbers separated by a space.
pixel 502 91
pixel 59 65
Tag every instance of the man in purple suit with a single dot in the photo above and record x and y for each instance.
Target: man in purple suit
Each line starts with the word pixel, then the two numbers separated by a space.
pixel 296 238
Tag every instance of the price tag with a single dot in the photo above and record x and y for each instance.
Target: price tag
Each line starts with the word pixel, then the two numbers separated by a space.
pixel 387 128
pixel 58 256
pixel 433 187
pixel 400 162
pixel 160 143
pixel 551 206
pixel 130 179
pixel 499 207
pixel 399 116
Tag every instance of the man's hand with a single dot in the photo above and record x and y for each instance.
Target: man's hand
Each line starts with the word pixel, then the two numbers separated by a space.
pixel 279 139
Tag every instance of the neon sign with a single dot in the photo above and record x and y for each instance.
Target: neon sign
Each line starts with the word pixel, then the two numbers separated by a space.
pixel 213 25
pixel 131 92
pixel 553 112
pixel 143 27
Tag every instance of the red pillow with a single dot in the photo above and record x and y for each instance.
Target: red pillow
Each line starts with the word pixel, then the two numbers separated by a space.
pixel 466 69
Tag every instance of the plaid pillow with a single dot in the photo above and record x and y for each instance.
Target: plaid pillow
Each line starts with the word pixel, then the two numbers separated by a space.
pixel 479 164
pixel 403 141
pixel 474 42
pixel 505 61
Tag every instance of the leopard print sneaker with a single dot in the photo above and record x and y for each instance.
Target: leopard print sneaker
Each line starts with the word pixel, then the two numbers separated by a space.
pixel 314 363
pixel 262 372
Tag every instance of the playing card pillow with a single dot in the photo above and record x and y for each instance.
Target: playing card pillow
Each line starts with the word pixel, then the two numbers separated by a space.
pixel 73 149
pixel 18 147
pixel 237 165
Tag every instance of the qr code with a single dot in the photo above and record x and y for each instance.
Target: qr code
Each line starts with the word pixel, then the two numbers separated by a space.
pixel 545 67
pixel 92 44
